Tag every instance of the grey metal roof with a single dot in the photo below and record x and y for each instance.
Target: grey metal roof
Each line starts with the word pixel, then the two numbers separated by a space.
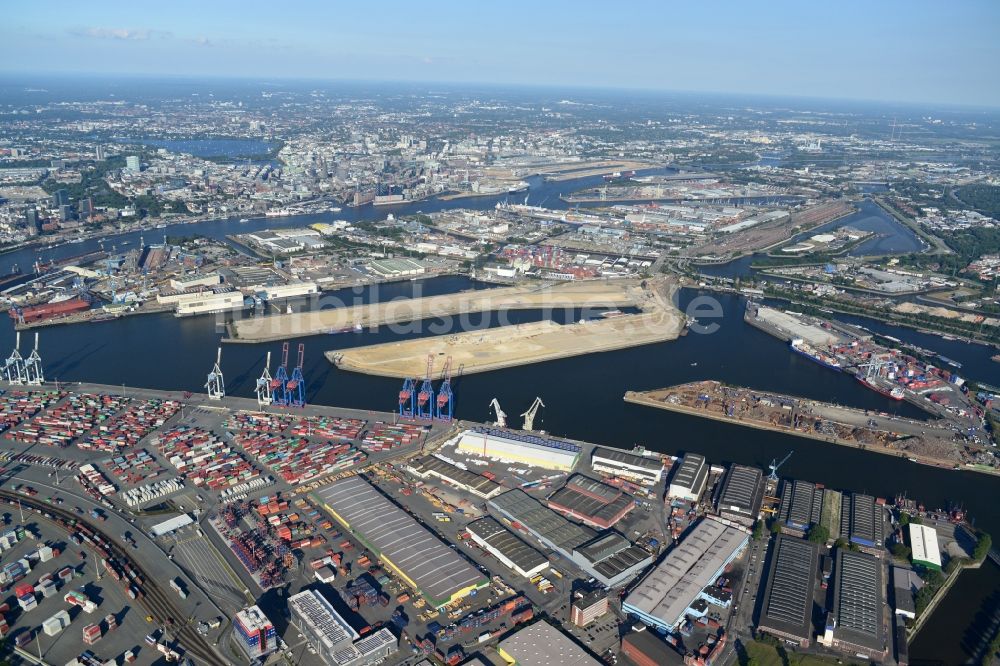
pixel 592 499
pixel 692 471
pixel 788 598
pixel 505 541
pixel 652 464
pixel 431 464
pixel 742 489
pixel 543 521
pixel 541 644
pixel 858 599
pixel 437 570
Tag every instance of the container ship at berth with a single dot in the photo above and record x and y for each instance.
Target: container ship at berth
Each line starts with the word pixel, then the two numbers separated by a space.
pixel 799 346
pixel 895 393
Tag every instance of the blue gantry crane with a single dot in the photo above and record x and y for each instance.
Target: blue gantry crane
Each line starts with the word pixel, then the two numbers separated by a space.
pixel 295 388
pixel 445 397
pixel 408 398
pixel 425 398
pixel 278 384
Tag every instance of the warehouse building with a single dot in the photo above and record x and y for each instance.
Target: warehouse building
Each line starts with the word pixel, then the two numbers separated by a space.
pixel 393 268
pixel 742 494
pixel 544 452
pixel 193 280
pixel 855 625
pixel 425 562
pixel 608 557
pixel 665 596
pixel 431 466
pixel 335 642
pixel 507 547
pixel 644 648
pixel 591 502
pixel 861 522
pixel 905 584
pixel 690 478
pixel 801 506
pixel 642 470
pixel 788 598
pixel 541 644
pixel 924 546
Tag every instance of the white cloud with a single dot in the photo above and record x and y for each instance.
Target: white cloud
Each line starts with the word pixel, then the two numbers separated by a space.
pixel 121 34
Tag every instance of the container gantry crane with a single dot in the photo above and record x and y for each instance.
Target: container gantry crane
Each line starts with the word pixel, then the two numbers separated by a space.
pixel 501 421
pixel 216 385
pixel 425 398
pixel 445 397
pixel 263 388
pixel 408 398
pixel 280 379
pixel 773 476
pixel 13 370
pixel 295 388
pixel 34 375
pixel 529 415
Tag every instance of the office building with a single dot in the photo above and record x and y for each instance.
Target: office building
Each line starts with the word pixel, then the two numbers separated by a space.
pixel 132 163
pixel 99 154
pixel 589 607
pixel 254 633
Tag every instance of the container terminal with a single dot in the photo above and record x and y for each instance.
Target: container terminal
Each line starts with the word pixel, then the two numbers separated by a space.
pixel 391 537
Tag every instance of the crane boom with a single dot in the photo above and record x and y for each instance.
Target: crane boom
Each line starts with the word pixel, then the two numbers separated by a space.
pixel 529 415
pixel 501 421
pixel 773 476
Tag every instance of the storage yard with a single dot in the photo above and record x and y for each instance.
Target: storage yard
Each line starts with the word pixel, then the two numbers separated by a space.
pixel 521 344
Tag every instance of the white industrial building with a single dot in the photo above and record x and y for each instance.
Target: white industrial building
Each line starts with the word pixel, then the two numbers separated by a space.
pixel 290 290
pixel 532 450
pixel 192 280
pixel 924 546
pixel 207 302
pixel 643 470
pixel 690 478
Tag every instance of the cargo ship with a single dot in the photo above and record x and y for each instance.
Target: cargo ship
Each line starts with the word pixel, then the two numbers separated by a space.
pixel 36 313
pixel 799 346
pixel 895 393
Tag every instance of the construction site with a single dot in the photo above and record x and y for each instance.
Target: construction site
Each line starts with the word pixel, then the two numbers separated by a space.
pixel 522 344
pixel 929 442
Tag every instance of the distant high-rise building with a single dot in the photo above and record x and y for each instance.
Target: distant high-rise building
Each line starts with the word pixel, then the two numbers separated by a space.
pixel 254 632
pixel 64 213
pixel 99 153
pixel 31 220
pixel 60 198
pixel 132 163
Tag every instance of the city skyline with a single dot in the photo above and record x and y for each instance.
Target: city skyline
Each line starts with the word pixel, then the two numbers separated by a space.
pixel 892 52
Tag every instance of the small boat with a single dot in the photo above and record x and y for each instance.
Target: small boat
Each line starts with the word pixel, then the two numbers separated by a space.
pixel 243 220
pixel 336 209
pixel 694 364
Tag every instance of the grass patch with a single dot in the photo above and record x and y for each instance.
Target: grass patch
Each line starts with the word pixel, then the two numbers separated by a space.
pixel 763 654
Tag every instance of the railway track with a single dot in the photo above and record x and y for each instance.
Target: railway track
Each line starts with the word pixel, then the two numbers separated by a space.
pixel 155 599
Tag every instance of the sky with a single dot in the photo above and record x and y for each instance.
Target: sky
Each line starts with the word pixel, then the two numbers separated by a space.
pixel 886 50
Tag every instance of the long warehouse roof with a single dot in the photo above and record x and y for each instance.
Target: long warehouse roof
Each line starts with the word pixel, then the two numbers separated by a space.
pixel 437 570
pixel 788 601
pixel 924 545
pixel 858 598
pixel 507 543
pixel 669 589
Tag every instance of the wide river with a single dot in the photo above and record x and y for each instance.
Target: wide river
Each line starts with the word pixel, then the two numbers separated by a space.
pixel 583 395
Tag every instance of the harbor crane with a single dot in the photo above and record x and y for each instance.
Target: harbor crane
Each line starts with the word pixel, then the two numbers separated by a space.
pixel 445 397
pixel 529 416
pixel 263 389
pixel 216 385
pixel 295 388
pixel 278 396
pixel 501 421
pixel 34 375
pixel 408 398
pixel 13 370
pixel 773 476
pixel 425 398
